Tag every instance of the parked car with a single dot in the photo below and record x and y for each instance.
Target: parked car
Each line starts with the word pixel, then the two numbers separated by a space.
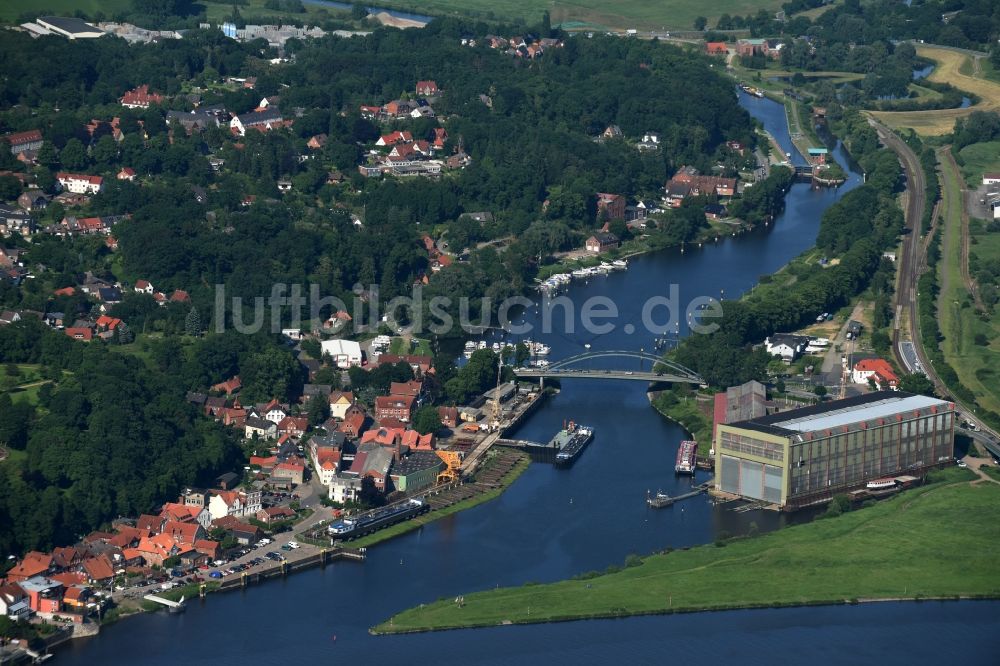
pixel 215 574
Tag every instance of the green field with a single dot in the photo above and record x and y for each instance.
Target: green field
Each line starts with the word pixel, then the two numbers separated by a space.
pixel 960 323
pixel 624 14
pixel 642 14
pixel 217 12
pixel 11 9
pixel 902 548
pixel 979 158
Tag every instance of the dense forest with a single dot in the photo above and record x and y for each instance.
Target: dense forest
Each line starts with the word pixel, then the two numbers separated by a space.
pixel 111 437
pixel 533 143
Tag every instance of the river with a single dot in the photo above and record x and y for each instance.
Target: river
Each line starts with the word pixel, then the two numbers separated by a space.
pixel 553 523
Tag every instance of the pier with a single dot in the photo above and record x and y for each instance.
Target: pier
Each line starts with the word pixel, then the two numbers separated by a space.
pixel 537 451
pixel 658 501
pixel 172 606
pixel 521 410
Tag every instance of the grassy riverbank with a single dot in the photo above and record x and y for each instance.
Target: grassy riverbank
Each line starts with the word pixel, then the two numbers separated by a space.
pixel 680 406
pixel 901 548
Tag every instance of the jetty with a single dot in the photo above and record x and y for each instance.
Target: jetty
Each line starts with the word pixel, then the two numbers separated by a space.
pixel 660 500
pixel 172 606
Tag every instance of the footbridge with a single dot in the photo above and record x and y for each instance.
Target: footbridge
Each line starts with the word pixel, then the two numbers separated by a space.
pixel 659 369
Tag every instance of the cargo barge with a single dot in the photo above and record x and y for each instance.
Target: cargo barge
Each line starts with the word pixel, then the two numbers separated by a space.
pixel 687 458
pixel 571 441
pixel 350 528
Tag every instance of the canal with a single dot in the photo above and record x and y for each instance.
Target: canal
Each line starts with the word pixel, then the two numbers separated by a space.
pixel 554 523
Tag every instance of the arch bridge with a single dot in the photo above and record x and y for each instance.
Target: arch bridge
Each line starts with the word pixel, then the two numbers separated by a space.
pixel 660 370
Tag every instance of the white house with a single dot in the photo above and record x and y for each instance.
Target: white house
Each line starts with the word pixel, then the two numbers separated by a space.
pixel 876 369
pixel 786 345
pixel 144 287
pixel 274 412
pixel 234 503
pixel 345 487
pixel 264 120
pixel 345 353
pixel 80 183
pixel 14 602
pixel 262 428
pixel 991 179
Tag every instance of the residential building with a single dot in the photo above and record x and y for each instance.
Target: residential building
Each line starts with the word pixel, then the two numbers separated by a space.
pixel 427 88
pixel 234 503
pixel 293 426
pixel 79 183
pixel 325 460
pixel 14 602
pixel 877 370
pixel 260 428
pixel 16 221
pixel 140 98
pixel 33 200
pixel 44 594
pixel 345 353
pixel 344 487
pixel 751 47
pixel 355 422
pixel 310 391
pixel 688 182
pixel 262 120
pixel 988 178
pixel 340 401
pixel 393 138
pixel 185 533
pixel 32 564
pixel 602 241
pixel 448 416
pixel 612 132
pixel 394 406
pixel 193 120
pixel 786 345
pixel 413 388
pixel 273 411
pixel 24 141
pixel 294 472
pixel 806 456
pixel 613 205
pixel 716 48
pixel 186 513
pixel 244 533
pixel 275 514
